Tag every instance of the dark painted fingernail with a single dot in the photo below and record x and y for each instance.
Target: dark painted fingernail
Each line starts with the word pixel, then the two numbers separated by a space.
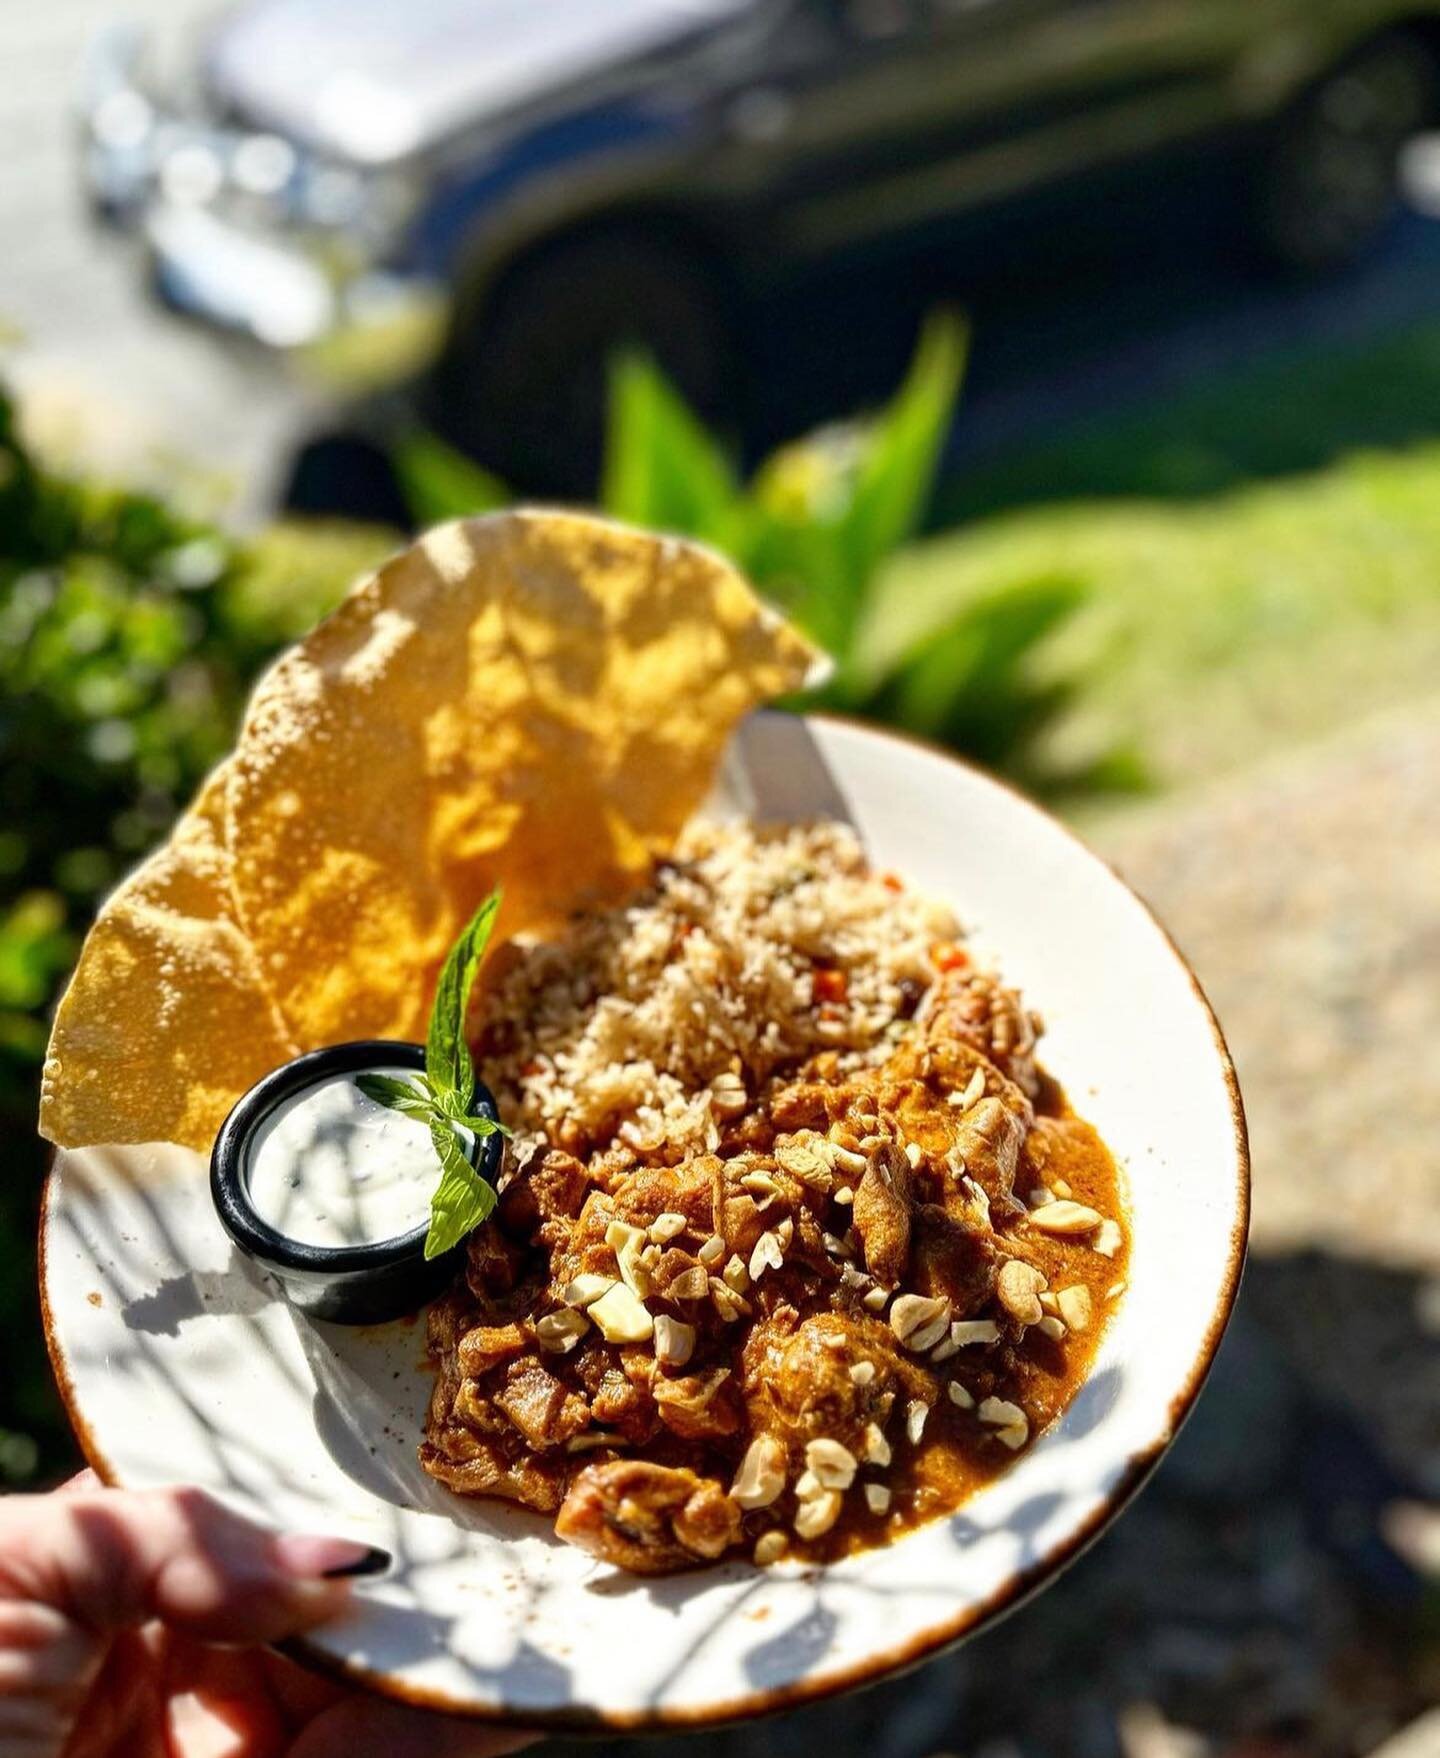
pixel 374 1561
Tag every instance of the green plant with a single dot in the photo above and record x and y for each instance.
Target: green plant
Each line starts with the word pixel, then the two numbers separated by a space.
pixel 440 483
pixel 815 527
pixel 819 519
pixel 128 638
pixel 441 1097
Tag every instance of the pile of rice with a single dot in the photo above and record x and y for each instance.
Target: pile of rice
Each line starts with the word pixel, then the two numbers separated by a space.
pixel 636 1025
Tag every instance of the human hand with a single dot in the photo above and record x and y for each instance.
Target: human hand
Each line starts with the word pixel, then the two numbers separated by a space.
pixel 133 1625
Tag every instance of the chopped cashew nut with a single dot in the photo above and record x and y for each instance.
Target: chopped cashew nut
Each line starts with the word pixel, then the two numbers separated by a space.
pixel 1065 1218
pixel 769 1548
pixel 834 1466
pixel 1001 1412
pixel 818 1514
pixel 1108 1239
pixel 761 1476
pixel 919 1322
pixel 620 1317
pixel 560 1331
pixel 674 1340
pixel 586 1290
pixel 767 1255
pixel 877 1448
pixel 1018 1290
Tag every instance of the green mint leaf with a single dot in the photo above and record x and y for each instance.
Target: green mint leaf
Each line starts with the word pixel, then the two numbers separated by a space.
pixel 462 1199
pixel 485 1126
pixel 451 1105
pixel 398 1095
pixel 447 1054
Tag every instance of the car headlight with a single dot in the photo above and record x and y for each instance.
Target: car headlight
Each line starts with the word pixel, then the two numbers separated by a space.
pixel 139 151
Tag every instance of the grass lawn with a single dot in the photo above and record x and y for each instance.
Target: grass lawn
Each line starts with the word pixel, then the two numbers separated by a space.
pixel 1263 558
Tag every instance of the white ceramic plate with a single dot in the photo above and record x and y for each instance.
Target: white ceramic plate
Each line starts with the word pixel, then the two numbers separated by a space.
pixel 179 1364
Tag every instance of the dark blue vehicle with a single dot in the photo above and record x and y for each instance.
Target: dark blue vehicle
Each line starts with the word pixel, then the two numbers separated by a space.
pixel 535 182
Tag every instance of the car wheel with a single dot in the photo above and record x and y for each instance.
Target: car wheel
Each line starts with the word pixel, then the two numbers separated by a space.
pixel 1327 183
pixel 523 384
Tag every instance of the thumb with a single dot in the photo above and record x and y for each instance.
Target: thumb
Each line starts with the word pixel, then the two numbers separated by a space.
pixel 370 1724
pixel 109 1559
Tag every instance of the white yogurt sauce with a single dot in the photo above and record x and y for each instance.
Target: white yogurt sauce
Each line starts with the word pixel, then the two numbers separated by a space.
pixel 330 1167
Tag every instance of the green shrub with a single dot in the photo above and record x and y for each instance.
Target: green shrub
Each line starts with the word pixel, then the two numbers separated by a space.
pixel 128 638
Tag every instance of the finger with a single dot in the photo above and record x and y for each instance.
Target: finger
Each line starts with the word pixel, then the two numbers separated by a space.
pixel 301 1693
pixel 82 1480
pixel 218 1700
pixel 121 1706
pixel 370 1724
pixel 110 1559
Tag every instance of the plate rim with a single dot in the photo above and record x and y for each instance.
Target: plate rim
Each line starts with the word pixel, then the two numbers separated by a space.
pixel 924 1644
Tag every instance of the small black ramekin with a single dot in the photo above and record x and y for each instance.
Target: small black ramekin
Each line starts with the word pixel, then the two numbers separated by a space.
pixel 346 1284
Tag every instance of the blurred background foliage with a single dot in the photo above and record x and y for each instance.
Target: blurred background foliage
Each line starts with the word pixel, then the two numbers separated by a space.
pixel 129 634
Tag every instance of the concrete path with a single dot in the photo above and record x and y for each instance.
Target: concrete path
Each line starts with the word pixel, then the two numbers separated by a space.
pixel 101 369
pixel 1307 896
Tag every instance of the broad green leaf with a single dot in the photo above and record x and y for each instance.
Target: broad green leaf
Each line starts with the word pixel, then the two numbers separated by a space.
pixel 440 483
pixel 462 1199
pixel 398 1095
pixel 896 473
pixel 827 511
pixel 662 468
pixel 1121 769
pixel 971 682
pixel 447 1054
pixel 801 565
pixel 898 469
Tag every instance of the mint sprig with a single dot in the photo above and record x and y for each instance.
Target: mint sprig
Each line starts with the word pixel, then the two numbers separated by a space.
pixel 442 1095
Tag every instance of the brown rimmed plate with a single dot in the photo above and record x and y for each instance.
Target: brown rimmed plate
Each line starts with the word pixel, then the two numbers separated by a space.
pixel 180 1364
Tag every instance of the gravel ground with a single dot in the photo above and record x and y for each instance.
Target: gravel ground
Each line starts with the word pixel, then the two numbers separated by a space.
pixel 1307 896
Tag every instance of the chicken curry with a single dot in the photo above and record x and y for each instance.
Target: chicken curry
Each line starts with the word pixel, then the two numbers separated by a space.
pixel 881 1279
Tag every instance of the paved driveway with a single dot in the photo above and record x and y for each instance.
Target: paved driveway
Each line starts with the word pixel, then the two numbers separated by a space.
pixel 97 362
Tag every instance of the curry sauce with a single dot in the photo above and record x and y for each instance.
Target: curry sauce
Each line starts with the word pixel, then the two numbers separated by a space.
pixel 1039 1372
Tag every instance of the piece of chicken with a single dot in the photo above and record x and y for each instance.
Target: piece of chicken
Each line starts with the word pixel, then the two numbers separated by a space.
pixel 951 1261
pixel 475 1464
pixel 975 1008
pixel 882 1213
pixel 542 1197
pixel 799 1387
pixel 988 1141
pixel 649 1519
